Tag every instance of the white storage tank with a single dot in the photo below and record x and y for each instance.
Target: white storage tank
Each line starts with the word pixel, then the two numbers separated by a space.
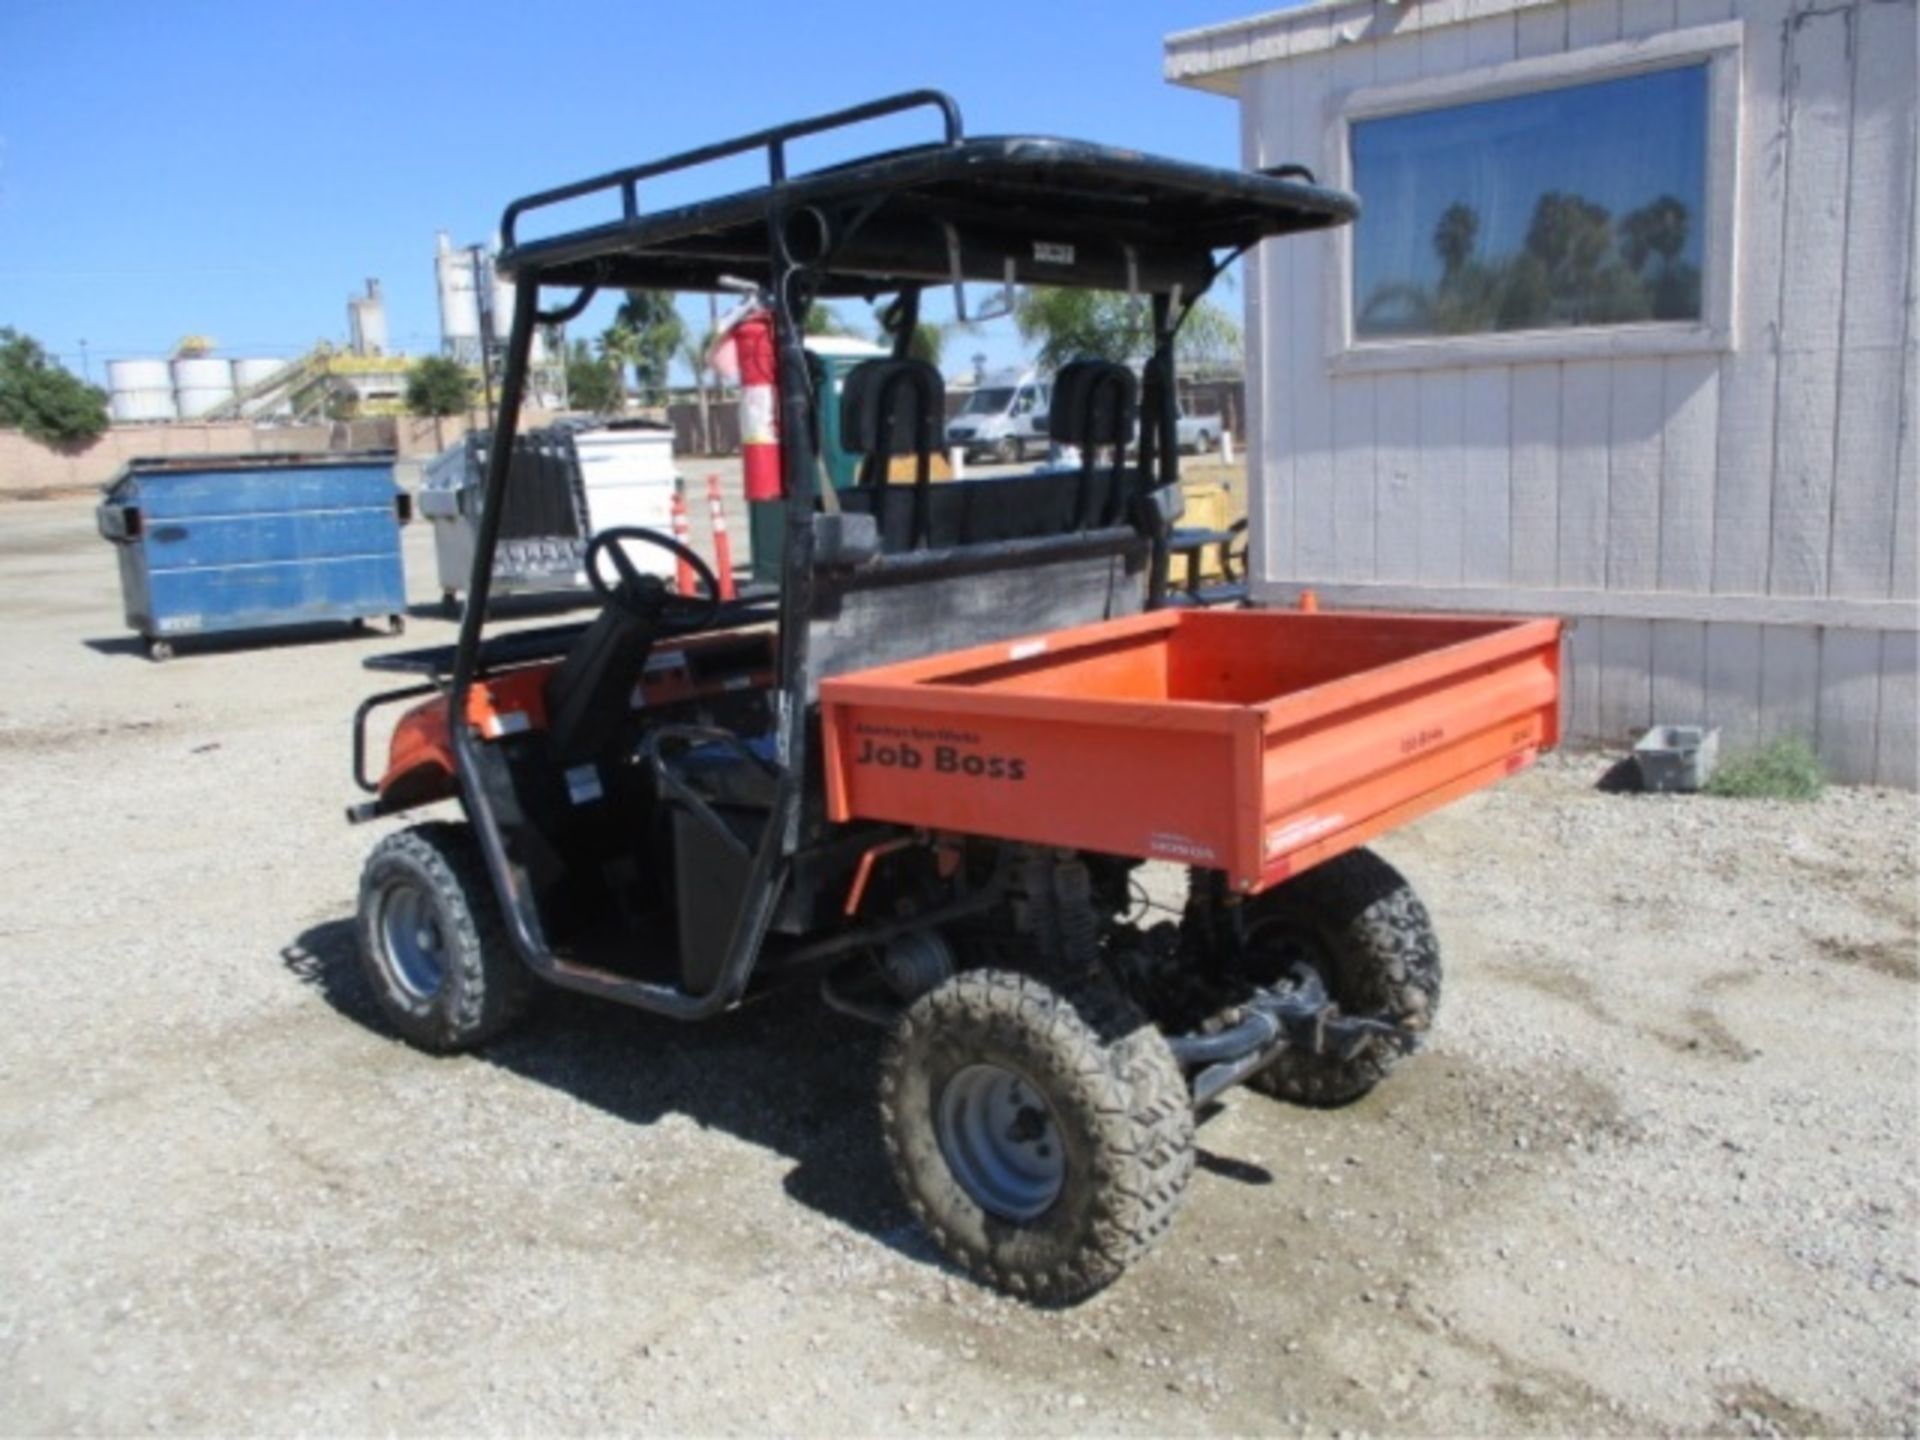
pixel 459 300
pixel 249 373
pixel 201 382
pixel 367 321
pixel 140 390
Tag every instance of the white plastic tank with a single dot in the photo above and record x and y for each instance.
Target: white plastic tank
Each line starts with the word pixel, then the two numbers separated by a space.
pixel 140 390
pixel 459 300
pixel 201 382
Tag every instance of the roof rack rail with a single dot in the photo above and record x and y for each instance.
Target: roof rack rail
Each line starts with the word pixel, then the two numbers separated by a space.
pixel 774 140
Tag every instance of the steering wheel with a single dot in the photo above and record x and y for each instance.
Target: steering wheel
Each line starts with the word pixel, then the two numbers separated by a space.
pixel 647 596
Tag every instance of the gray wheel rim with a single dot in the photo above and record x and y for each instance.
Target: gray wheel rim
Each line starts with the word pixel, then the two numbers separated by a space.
pixel 1001 1141
pixel 411 941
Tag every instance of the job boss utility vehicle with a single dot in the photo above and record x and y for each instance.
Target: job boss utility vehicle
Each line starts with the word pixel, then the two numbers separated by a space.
pixel 920 781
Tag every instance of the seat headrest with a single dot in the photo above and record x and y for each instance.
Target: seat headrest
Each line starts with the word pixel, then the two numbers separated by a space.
pixel 1095 402
pixel 892 407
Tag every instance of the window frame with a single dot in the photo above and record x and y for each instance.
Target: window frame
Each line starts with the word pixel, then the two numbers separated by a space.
pixel 1718 46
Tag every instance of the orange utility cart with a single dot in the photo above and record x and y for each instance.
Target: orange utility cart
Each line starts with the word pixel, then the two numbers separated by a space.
pixel 1255 742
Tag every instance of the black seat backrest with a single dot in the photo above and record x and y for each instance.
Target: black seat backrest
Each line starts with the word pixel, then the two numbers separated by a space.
pixel 895 407
pixel 1095 406
pixel 1095 403
pixel 892 407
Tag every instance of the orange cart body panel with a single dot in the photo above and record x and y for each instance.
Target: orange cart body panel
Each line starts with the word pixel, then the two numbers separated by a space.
pixel 1255 742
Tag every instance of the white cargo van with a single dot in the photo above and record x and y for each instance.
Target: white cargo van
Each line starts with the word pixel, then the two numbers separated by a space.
pixel 1004 418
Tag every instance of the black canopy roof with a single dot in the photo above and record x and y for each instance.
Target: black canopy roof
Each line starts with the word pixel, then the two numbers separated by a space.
pixel 1021 209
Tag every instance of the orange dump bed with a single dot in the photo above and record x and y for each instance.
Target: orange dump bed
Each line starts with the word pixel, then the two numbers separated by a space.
pixel 1255 742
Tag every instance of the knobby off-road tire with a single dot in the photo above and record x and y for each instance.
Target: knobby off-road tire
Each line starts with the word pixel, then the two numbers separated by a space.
pixel 1114 1103
pixel 1358 921
pixel 432 941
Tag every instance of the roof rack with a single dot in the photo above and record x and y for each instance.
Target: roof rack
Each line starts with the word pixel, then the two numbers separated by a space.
pixel 1003 209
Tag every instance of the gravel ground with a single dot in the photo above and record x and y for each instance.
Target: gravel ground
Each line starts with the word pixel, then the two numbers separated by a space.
pixel 1657 1171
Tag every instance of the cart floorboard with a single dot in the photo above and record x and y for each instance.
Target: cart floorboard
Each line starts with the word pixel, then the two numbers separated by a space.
pixel 1255 742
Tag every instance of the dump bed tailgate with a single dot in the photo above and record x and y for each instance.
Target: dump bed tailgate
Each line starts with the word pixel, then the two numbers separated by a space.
pixel 1254 742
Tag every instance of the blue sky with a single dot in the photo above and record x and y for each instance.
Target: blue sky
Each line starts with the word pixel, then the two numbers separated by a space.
pixel 237 170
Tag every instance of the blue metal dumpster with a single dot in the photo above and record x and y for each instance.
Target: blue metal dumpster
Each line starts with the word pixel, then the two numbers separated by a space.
pixel 217 543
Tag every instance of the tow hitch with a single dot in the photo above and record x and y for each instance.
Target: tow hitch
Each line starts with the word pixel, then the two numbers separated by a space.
pixel 1296 1014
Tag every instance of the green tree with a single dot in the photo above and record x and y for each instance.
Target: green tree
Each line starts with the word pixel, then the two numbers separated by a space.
pixel 1209 339
pixel 929 339
pixel 1107 325
pixel 1081 324
pixel 619 349
pixel 592 384
pixel 44 399
pixel 654 322
pixel 823 319
pixel 693 350
pixel 1659 228
pixel 1454 237
pixel 439 385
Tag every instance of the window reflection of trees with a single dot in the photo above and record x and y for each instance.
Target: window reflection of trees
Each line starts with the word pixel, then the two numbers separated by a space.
pixel 1576 266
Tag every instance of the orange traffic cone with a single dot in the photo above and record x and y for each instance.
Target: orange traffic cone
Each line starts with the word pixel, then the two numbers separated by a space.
pixel 722 545
pixel 683 581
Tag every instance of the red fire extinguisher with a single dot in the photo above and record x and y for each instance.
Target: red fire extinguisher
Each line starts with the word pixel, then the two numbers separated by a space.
pixel 759 406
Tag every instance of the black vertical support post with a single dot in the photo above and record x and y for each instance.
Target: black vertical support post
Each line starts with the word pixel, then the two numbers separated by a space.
pixel 908 311
pixel 493 498
pixel 798 471
pixel 1166 417
pixel 522 916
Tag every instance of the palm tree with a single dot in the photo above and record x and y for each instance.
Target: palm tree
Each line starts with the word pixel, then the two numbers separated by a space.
pixel 1455 235
pixel 693 350
pixel 619 348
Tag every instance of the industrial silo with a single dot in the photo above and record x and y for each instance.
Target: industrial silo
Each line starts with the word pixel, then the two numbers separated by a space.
pixel 200 382
pixel 140 390
pixel 367 321
pixel 459 301
pixel 249 376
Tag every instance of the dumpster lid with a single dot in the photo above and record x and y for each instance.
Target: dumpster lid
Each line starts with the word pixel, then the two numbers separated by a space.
pixel 257 460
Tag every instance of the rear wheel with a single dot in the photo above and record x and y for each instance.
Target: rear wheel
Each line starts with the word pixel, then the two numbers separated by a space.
pixel 433 943
pixel 1357 921
pixel 1042 1135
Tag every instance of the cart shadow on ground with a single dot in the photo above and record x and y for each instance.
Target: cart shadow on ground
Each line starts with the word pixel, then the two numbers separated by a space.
pixel 785 1074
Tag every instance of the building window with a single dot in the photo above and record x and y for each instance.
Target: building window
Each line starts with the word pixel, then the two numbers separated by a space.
pixel 1576 205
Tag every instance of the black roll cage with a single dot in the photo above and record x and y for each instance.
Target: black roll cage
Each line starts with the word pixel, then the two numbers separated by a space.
pixel 1003 210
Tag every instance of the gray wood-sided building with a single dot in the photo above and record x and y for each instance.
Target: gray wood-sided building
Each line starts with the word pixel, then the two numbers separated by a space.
pixel 1625 334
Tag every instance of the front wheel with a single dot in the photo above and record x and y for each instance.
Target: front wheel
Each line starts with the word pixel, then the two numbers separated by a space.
pixel 1357 921
pixel 1042 1135
pixel 433 943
